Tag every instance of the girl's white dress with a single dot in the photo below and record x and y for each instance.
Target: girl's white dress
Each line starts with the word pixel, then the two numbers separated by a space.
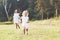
pixel 16 18
pixel 24 22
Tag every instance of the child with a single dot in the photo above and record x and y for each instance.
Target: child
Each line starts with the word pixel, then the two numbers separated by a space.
pixel 16 18
pixel 25 21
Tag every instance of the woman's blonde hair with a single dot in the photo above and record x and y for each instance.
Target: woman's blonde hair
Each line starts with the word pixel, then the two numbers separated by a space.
pixel 25 11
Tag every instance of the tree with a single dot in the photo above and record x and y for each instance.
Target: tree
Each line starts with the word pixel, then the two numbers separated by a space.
pixel 56 4
pixel 40 7
pixel 5 3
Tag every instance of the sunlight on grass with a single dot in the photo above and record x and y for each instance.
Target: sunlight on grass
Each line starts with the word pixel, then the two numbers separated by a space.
pixel 38 30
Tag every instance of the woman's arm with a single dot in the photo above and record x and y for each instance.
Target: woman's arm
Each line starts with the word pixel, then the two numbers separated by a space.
pixel 28 20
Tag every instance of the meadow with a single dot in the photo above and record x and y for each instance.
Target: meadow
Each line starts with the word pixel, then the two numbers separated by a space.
pixel 38 30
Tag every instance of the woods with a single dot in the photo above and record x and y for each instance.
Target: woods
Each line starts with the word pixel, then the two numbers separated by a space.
pixel 38 9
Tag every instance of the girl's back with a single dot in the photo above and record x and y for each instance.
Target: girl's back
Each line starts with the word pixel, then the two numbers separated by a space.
pixel 16 16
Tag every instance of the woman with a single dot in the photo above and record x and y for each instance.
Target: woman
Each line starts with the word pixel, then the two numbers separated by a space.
pixel 25 21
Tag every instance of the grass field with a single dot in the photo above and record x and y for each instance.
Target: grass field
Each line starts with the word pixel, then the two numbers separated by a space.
pixel 38 30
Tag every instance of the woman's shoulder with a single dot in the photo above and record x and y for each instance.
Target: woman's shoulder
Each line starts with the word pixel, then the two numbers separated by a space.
pixel 27 17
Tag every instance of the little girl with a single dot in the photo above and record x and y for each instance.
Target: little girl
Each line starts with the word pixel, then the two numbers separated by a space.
pixel 16 18
pixel 25 21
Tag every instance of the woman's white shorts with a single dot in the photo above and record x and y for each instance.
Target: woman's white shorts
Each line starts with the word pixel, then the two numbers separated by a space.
pixel 25 25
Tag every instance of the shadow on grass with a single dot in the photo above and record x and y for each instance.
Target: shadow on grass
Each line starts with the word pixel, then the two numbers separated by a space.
pixel 6 23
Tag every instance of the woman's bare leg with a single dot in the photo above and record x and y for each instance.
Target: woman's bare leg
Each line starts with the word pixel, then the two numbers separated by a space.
pixel 27 31
pixel 24 31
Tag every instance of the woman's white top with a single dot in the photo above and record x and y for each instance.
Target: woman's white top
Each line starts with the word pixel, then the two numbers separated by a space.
pixel 16 18
pixel 24 21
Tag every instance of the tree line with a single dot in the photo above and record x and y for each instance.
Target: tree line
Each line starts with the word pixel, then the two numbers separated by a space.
pixel 38 9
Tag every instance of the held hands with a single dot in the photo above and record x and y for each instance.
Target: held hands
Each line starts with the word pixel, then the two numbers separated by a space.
pixel 20 21
pixel 28 22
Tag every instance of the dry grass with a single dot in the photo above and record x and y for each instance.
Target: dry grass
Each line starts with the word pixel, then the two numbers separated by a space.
pixel 38 30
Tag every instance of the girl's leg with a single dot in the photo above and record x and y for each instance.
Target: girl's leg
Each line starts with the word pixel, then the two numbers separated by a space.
pixel 18 26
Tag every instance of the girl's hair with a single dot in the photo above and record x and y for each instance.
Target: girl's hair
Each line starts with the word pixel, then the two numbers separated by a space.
pixel 25 11
pixel 17 10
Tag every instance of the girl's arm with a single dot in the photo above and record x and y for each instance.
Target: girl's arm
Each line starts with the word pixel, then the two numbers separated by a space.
pixel 21 20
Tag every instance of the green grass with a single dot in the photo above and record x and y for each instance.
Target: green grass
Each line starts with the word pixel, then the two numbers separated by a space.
pixel 38 30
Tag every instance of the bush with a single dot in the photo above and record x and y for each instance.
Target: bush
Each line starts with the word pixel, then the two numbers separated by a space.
pixel 10 18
